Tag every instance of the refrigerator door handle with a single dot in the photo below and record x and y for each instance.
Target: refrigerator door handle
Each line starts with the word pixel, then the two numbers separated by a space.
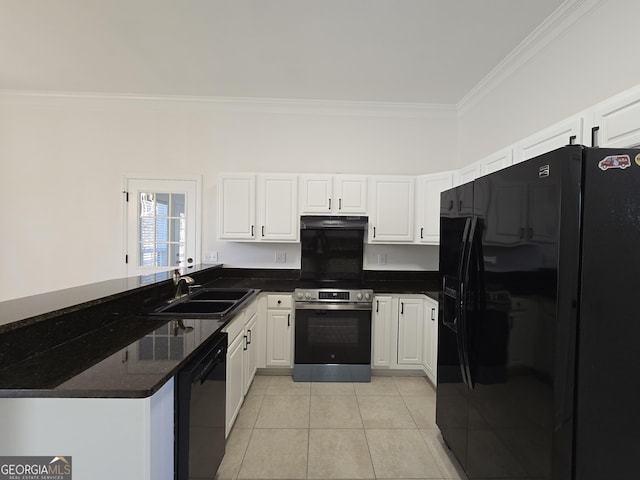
pixel 461 302
pixel 463 331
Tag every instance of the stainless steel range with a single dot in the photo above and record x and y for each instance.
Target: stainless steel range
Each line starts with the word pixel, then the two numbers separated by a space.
pixel 332 335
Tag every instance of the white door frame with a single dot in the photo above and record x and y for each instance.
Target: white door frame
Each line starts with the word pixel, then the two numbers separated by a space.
pixel 197 179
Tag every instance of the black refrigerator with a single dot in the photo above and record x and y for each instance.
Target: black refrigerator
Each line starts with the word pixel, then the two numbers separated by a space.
pixel 539 325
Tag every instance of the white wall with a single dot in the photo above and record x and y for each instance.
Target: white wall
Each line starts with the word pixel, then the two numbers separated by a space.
pixel 592 60
pixel 63 158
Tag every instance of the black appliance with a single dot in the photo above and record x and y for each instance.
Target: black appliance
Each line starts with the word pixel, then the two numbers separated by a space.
pixel 332 248
pixel 332 335
pixel 538 362
pixel 200 412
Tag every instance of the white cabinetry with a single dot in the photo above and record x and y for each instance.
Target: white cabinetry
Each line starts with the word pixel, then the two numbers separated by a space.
pixel 410 331
pixel 391 217
pixel 469 173
pixel 250 358
pixel 236 206
pixel 405 333
pixel 277 215
pixel 381 331
pixel 235 387
pixel 618 121
pixel 241 360
pixel 279 326
pixel 278 195
pixel 333 194
pixel 431 339
pixel 428 209
pixel 496 161
pixel 562 133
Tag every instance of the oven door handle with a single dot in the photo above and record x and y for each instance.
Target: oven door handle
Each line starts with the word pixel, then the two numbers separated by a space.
pixel 333 306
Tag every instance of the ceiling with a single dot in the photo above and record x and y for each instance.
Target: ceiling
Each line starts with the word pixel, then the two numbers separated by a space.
pixel 417 51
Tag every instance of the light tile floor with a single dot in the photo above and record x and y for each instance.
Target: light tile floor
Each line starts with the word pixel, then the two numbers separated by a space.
pixel 295 430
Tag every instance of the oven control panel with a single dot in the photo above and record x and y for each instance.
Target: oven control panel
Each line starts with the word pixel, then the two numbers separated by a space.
pixel 333 295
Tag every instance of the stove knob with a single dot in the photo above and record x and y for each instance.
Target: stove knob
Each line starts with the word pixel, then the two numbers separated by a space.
pixel 367 296
pixel 299 295
pixel 307 295
pixel 359 295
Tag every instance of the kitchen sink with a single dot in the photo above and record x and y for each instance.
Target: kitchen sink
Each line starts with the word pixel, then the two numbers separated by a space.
pixel 205 308
pixel 229 294
pixel 212 303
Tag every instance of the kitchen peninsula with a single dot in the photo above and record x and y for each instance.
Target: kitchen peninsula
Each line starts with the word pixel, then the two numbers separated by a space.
pixel 78 378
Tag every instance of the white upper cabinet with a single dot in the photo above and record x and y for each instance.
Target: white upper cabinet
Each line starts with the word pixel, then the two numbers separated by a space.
pixel 316 192
pixel 617 121
pixel 428 208
pixel 567 132
pixel 236 206
pixel 351 194
pixel 333 194
pixel 391 209
pixel 273 197
pixel 469 173
pixel 497 161
pixel 278 196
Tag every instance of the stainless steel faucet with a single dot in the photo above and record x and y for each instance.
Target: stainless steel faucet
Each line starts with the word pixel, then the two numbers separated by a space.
pixel 180 282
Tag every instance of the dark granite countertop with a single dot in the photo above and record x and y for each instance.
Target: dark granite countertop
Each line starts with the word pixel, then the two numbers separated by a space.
pixel 91 341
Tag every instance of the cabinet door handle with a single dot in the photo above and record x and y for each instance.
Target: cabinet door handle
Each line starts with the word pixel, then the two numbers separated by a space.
pixel 329 204
pixel 377 306
pixel 245 343
pixel 594 136
pixel 288 319
pixel 252 231
pixel 572 140
pixel 433 314
pixel 401 308
pixel 421 232
pixel 263 230
pixel 339 204
pixel 249 332
pixel 374 232
pixel 460 205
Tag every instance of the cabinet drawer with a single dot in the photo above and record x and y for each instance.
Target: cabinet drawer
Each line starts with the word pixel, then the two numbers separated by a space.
pixel 279 301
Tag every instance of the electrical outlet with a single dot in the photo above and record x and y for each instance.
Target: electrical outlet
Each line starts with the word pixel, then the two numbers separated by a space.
pixel 281 257
pixel 382 259
pixel 210 257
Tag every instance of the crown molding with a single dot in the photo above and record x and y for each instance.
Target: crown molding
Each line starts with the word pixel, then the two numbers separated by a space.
pixel 239 104
pixel 553 27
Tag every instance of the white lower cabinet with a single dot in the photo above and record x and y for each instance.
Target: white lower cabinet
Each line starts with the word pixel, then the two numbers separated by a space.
pixel 241 360
pixel 250 351
pixel 431 339
pixel 235 386
pixel 381 331
pixel 279 330
pixel 410 331
pixel 405 333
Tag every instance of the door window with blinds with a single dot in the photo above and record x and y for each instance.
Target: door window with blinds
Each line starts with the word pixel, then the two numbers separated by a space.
pixel 162 236
pixel 161 225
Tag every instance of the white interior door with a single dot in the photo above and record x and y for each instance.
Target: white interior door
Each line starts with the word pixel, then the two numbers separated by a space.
pixel 161 225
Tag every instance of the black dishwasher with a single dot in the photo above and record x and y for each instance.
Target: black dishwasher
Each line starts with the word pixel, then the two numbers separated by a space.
pixel 200 412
